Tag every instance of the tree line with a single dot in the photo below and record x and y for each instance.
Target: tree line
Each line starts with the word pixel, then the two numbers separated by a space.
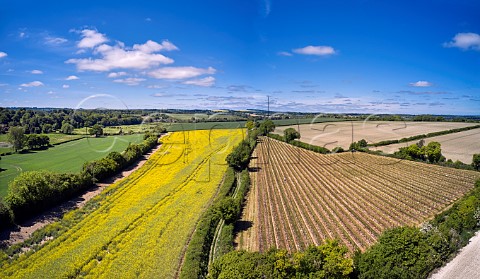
pixel 36 121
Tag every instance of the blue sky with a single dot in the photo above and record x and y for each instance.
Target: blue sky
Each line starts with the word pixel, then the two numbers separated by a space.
pixel 317 56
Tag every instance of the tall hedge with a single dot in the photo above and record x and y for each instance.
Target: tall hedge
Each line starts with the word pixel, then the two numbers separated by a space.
pixel 196 257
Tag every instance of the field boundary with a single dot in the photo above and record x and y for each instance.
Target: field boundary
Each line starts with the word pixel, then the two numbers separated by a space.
pixel 423 136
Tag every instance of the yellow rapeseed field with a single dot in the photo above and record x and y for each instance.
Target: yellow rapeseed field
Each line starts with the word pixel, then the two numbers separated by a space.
pixel 141 228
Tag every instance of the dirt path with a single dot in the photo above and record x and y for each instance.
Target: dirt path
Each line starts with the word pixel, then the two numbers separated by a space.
pixel 465 265
pixel 24 230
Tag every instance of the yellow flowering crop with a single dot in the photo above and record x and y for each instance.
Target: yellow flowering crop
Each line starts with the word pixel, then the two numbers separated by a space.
pixel 141 228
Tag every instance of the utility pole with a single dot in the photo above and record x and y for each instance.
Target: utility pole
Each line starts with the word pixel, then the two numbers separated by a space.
pixel 268 106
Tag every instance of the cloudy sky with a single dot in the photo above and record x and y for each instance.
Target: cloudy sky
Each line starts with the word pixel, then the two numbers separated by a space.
pixel 319 56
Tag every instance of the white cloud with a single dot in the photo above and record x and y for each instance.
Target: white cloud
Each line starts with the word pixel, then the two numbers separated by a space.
pixel 284 53
pixel 32 84
pixel 421 83
pixel 180 72
pixel 160 95
pixel 206 82
pixel 36 72
pixel 465 41
pixel 156 86
pixel 129 81
pixel 119 57
pixel 91 38
pixel 117 74
pixel 151 46
pixel 148 19
pixel 3 54
pixel 55 40
pixel 315 50
pixel 72 78
pixel 65 86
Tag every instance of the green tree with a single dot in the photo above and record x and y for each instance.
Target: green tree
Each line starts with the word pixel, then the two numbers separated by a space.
pixel 240 156
pixel 16 136
pixel 37 141
pixel 96 130
pixel 266 127
pixel 402 252
pixel 325 261
pixel 47 128
pixel 228 209
pixel 290 134
pixel 250 125
pixel 362 143
pixel 433 151
pixel 476 161
pixel 67 128
pixel 118 158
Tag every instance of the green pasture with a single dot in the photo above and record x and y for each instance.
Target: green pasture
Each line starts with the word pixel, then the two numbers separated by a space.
pixel 66 157
pixel 55 138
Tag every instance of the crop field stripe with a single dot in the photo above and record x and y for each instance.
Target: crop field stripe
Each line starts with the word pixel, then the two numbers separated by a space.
pixel 142 216
pixel 352 197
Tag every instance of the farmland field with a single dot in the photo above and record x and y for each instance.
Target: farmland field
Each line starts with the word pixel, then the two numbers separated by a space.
pixel 142 224
pixel 66 157
pixel 299 197
pixel 457 146
pixel 55 138
pixel 187 126
pixel 333 134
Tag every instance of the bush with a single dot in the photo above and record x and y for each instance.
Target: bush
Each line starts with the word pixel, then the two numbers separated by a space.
pixel 402 252
pixel 132 153
pixel 240 156
pixel 5 215
pixel 228 210
pixel 33 191
pixel 101 169
pixel 325 261
pixel 291 134
pixel 118 158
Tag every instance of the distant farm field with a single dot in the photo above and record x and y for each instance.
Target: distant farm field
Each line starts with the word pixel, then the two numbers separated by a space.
pixel 142 224
pixel 300 198
pixel 458 146
pixel 66 157
pixel 333 134
pixel 187 126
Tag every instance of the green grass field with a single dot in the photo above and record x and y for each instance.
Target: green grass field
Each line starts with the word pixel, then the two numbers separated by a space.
pixel 55 138
pixel 66 157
